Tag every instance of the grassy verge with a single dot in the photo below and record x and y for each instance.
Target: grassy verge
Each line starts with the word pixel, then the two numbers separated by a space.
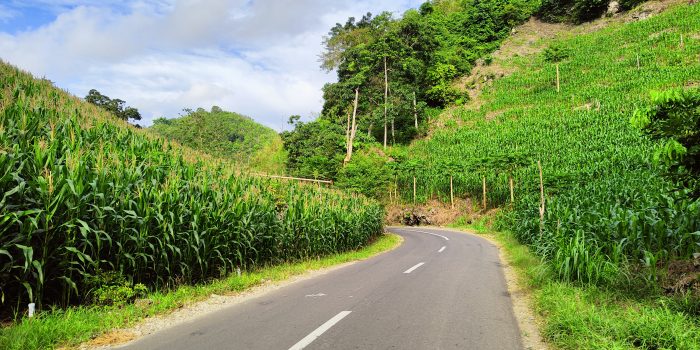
pixel 577 316
pixel 76 325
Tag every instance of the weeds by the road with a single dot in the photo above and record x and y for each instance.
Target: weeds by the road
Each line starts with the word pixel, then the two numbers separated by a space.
pixel 76 325
pixel 583 316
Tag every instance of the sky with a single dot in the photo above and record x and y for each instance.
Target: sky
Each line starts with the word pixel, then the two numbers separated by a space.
pixel 254 57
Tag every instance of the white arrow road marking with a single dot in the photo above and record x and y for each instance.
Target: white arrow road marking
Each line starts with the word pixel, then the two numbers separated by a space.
pixel 320 330
pixel 414 267
pixel 315 295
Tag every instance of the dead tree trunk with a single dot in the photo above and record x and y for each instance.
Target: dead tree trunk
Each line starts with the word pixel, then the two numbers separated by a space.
pixel 347 129
pixel 353 129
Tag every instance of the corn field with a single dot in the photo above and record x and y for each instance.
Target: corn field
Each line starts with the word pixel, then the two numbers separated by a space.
pixel 607 203
pixel 82 194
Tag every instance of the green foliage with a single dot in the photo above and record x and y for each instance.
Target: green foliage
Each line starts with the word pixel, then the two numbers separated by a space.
pixel 367 173
pixel 114 106
pixel 226 135
pixel 608 205
pixel 111 288
pixel 83 195
pixel 314 149
pixel 674 118
pixel 578 11
pixel 424 52
pixel 556 53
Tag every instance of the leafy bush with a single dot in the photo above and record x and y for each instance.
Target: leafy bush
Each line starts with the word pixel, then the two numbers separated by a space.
pixel 577 10
pixel 556 53
pixel 367 173
pixel 111 288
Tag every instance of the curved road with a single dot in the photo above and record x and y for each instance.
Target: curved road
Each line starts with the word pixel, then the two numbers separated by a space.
pixel 438 290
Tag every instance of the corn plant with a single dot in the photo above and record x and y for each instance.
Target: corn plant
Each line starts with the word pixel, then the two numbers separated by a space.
pixel 84 194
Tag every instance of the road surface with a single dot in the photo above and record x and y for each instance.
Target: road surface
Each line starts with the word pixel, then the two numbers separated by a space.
pixel 438 290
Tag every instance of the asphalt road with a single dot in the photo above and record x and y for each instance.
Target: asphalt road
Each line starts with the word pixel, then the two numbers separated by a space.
pixel 438 290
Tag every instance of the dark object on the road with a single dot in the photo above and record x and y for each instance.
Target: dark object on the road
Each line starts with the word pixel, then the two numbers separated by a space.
pixel 415 219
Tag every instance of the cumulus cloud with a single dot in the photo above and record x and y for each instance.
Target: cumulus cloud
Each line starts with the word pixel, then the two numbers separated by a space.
pixel 254 57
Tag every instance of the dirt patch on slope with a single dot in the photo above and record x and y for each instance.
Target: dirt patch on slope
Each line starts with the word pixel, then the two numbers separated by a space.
pixel 525 40
pixel 435 212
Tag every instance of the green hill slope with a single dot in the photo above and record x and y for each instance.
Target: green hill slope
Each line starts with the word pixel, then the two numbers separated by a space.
pixel 607 203
pixel 227 135
pixel 88 199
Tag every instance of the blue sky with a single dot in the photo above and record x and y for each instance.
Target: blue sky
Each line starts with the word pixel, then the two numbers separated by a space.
pixel 255 57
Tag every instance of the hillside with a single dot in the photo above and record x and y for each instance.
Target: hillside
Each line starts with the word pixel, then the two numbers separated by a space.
pixel 602 188
pixel 95 210
pixel 226 135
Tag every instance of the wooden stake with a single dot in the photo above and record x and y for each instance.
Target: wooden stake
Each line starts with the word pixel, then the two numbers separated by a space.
pixel 682 43
pixel 512 194
pixel 484 194
pixel 558 87
pixel 415 111
pixel 452 196
pixel 414 190
pixel 539 165
pixel 639 66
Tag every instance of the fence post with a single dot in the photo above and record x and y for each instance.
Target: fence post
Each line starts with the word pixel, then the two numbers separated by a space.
pixel 539 165
pixel 452 196
pixel 484 194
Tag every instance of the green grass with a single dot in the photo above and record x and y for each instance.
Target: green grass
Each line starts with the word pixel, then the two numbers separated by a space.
pixel 79 324
pixel 584 316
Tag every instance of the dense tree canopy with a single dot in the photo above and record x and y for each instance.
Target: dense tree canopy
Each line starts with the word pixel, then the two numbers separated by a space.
pixel 116 106
pixel 399 67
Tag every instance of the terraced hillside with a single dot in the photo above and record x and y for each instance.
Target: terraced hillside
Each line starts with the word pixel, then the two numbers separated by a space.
pixel 607 201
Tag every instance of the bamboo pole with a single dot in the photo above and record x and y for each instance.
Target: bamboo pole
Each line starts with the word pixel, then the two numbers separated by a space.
pixel 539 165
pixel 415 111
pixel 512 193
pixel 452 196
pixel 484 194
pixel 330 182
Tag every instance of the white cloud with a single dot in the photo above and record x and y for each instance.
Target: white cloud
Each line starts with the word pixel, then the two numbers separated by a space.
pixel 257 58
pixel 7 13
